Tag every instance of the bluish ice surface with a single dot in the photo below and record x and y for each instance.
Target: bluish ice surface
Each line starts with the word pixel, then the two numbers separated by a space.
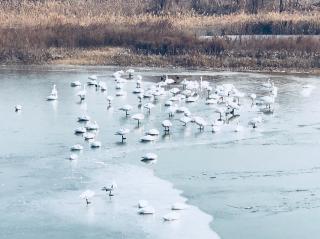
pixel 258 183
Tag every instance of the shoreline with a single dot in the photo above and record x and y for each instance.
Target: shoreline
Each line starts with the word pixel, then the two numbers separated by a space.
pixel 59 67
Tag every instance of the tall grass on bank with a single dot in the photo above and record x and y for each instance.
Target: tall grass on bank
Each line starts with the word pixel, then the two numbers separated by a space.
pixel 30 30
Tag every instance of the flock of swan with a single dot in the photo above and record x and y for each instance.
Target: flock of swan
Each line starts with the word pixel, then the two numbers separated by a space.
pixel 224 101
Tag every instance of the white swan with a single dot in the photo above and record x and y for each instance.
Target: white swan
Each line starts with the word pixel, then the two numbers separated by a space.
pixel 149 156
pixel 122 132
pixel 199 121
pixel 89 136
pixel 121 93
pixel 93 80
pixel 83 118
pixel 147 138
pixel 153 132
pixel 75 83
pixel 110 188
pixel 103 86
pixel 87 195
pixel 82 93
pixel 255 121
pixel 171 216
pixel 95 144
pixel 149 106
pixel 73 157
pixel 146 210
pixel 174 91
pixel 109 99
pixel 92 125
pixel 76 147
pixel 166 124
pixel 17 108
pixel 53 95
pixel 179 206
pixel 143 204
pixel 138 117
pixel 80 130
pixel 185 120
pixel 126 109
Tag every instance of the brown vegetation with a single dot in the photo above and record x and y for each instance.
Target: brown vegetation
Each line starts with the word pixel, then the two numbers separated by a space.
pixel 145 32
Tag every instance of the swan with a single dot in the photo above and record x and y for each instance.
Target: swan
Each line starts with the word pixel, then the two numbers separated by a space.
pixel 109 99
pixel 88 136
pixel 255 121
pixel 17 108
pixel 93 77
pixel 186 93
pixel 75 83
pixel 153 132
pixel 82 94
pixel 140 97
pixel 179 206
pixel 166 124
pixel 83 118
pixel 168 103
pixel 118 74
pixel 73 157
pixel 148 138
pixel 87 195
pixel 253 99
pixel 143 204
pixel 171 110
pixel 126 108
pixel 185 120
pixel 138 91
pixel 216 126
pixel 76 147
pixel 138 81
pixel 148 106
pixel 121 93
pixel 192 99
pixel 268 101
pixel 95 144
pixel 138 117
pixel 171 216
pixel 80 130
pixel 267 84
pixel 110 188
pixel 130 72
pixel 220 111
pixel 92 125
pixel 102 85
pixel 92 80
pixel 119 86
pixel 149 156
pixel 53 95
pixel 147 95
pixel 184 83
pixel 122 132
pixel 168 81
pixel 199 121
pixel 182 109
pixel 232 106
pixel 174 91
pixel 146 210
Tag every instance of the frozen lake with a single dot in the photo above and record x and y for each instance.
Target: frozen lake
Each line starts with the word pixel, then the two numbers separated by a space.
pixel 257 183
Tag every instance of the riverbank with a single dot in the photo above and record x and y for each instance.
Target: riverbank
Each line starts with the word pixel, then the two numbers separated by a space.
pixel 122 57
pixel 93 33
